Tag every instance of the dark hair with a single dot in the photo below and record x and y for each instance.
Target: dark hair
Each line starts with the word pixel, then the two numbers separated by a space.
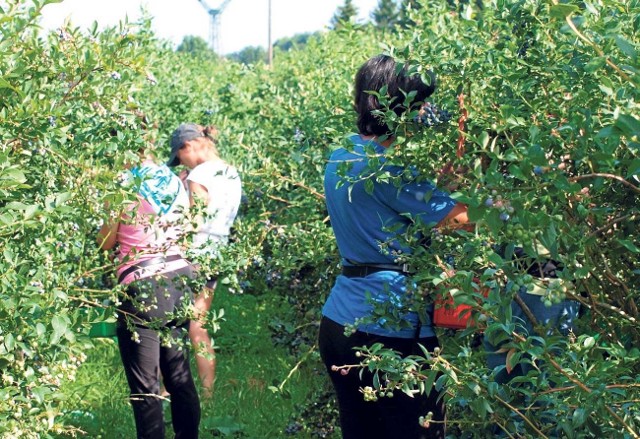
pixel 210 132
pixel 376 73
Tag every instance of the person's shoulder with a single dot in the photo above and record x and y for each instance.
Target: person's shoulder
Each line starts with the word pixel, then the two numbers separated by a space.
pixel 230 169
pixel 350 145
pixel 224 169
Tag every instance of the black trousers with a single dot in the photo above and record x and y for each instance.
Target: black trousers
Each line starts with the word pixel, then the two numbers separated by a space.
pixel 386 418
pixel 144 356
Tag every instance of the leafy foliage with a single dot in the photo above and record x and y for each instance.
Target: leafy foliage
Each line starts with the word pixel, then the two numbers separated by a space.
pixel 544 136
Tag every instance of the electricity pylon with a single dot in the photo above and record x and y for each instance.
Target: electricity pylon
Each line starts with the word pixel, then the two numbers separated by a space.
pixel 214 19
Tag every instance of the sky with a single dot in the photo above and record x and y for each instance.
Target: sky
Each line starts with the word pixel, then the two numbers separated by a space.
pixel 242 23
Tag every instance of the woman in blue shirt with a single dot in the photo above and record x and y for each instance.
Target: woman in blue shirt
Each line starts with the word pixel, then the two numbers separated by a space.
pixel 367 215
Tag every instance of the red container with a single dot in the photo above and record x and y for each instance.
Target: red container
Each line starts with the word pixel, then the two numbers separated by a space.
pixel 448 315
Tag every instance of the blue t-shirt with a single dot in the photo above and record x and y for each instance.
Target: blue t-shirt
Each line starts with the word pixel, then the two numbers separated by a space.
pixel 361 221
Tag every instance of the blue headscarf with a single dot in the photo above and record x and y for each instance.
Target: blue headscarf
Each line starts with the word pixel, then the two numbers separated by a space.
pixel 158 186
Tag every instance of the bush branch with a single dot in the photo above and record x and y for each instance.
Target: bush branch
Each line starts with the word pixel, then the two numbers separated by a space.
pixel 609 176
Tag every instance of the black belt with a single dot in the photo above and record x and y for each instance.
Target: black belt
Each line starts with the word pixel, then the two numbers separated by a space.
pixel 147 263
pixel 363 270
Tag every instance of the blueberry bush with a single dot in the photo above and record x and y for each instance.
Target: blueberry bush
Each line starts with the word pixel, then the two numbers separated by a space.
pixel 542 144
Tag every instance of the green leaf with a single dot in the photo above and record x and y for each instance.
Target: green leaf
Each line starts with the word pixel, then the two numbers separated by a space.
pixel 626 47
pixel 513 358
pixel 60 326
pixel 479 407
pixel 563 10
pixel 5 84
pixel 29 210
pixel 12 175
pixel 634 168
pixel 63 197
pixel 595 64
pixel 629 245
pixel 606 90
pixel 483 141
pixel 368 186
pixel 628 124
pixel 579 417
pixel 9 342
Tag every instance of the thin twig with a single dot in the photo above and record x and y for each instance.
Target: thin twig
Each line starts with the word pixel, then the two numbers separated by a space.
pixel 517 412
pixel 311 190
pixel 611 223
pixel 606 175
pixel 297 366
pixel 560 369
pixel 571 388
pixel 595 47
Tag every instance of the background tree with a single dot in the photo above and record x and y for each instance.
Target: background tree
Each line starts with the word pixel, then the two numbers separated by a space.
pixel 195 45
pixel 404 15
pixel 344 14
pixel 249 55
pixel 386 14
pixel 297 41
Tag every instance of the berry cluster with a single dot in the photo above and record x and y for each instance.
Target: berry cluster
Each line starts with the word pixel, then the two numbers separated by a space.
pixel 524 283
pixel 369 394
pixel 497 202
pixel 517 233
pixel 430 115
pixel 425 421
pixel 293 428
pixel 555 293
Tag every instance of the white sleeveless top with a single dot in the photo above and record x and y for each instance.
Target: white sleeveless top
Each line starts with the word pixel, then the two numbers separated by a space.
pixel 224 193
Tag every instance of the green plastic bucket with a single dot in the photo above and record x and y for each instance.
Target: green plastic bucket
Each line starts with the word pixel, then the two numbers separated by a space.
pixel 104 328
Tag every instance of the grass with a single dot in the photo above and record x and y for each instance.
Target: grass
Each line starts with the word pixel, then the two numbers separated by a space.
pixel 243 406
